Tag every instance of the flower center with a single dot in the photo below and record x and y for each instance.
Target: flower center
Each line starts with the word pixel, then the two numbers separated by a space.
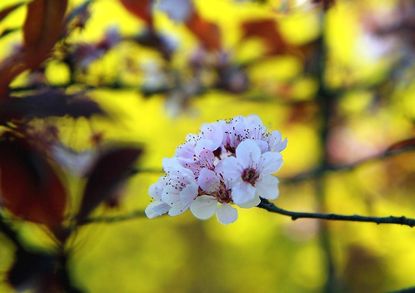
pixel 223 195
pixel 250 176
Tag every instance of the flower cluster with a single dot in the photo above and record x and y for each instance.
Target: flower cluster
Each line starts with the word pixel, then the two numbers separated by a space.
pixel 228 162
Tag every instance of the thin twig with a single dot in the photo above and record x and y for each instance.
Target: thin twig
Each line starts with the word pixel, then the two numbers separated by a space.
pixel 114 219
pixel 402 220
pixel 270 207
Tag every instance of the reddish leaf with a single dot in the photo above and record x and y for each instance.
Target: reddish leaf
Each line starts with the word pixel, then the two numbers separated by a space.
pixel 208 33
pixel 51 103
pixel 30 187
pixel 42 28
pixel 139 8
pixel 407 143
pixel 6 11
pixel 107 176
pixel 44 23
pixel 267 30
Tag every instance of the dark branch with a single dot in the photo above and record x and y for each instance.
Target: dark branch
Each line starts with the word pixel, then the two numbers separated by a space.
pixel 114 219
pixel 266 205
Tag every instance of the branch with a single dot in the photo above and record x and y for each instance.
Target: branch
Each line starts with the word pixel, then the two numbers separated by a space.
pixel 114 219
pixel 266 205
pixel 270 207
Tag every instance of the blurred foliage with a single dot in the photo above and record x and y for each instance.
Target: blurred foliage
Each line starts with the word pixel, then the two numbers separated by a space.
pixel 368 69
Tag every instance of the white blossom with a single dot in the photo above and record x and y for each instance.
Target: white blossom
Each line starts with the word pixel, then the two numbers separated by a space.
pixel 228 163
pixel 251 173
pixel 216 198
pixel 157 207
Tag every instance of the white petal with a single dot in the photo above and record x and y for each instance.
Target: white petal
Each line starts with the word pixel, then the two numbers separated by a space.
pixel 155 190
pixel 156 208
pixel 282 145
pixel 262 144
pixel 255 126
pixel 204 144
pixel 267 187
pixel 206 158
pixel 242 193
pixel 208 180
pixel 248 153
pixel 170 195
pixel 189 193
pixel 203 207
pixel 178 208
pixel 226 214
pixel 231 169
pixel 276 143
pixel 270 162
pixel 214 132
pixel 192 138
pixel 252 203
pixel 173 166
pixel 170 164
pixel 185 153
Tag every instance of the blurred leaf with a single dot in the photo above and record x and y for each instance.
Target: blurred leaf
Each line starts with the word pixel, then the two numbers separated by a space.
pixel 47 104
pixel 140 8
pixel 267 30
pixel 107 176
pixel 42 29
pixel 29 268
pixel 6 11
pixel 208 33
pixel 44 23
pixel 30 187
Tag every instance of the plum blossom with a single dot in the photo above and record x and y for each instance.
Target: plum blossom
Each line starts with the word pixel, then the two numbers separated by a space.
pixel 227 163
pixel 157 207
pixel 215 198
pixel 251 173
